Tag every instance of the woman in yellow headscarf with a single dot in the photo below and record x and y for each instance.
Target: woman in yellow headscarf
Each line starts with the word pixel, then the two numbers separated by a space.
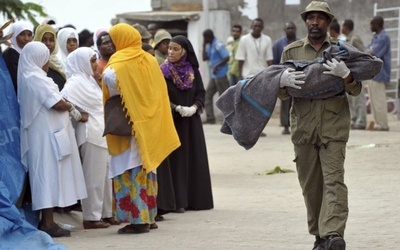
pixel 135 75
pixel 46 34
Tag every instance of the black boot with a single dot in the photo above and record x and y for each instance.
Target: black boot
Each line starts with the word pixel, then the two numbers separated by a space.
pixel 318 243
pixel 335 242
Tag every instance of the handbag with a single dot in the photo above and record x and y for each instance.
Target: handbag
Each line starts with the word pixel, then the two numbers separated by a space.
pixel 116 121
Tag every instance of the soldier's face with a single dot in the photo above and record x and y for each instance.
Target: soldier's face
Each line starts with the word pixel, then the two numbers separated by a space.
pixel 317 24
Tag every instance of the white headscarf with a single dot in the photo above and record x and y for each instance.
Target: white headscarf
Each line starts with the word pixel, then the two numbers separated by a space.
pixel 82 90
pixel 16 28
pixel 62 36
pixel 34 87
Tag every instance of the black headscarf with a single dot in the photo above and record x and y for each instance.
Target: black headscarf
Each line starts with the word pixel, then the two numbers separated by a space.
pixel 182 72
pixel 187 45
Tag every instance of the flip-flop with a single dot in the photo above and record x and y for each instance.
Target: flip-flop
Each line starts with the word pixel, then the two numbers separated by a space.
pixel 111 221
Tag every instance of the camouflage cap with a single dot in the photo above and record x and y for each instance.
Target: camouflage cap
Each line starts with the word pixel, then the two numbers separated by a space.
pixel 142 30
pixel 317 6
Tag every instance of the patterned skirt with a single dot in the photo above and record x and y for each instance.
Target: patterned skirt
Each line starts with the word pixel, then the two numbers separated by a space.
pixel 135 196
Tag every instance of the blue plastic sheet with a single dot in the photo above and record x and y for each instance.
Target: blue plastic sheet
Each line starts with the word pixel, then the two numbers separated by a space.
pixel 9 135
pixel 15 231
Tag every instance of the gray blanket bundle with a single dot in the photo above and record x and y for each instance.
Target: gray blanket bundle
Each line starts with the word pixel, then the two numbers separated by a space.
pixel 248 106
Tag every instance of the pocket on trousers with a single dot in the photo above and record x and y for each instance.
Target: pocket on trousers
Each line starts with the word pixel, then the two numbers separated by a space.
pixel 334 106
pixel 63 144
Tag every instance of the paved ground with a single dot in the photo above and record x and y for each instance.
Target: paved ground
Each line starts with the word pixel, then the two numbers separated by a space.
pixel 258 211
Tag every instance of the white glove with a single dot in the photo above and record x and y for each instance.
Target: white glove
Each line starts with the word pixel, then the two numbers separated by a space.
pixel 178 109
pixel 188 111
pixel 336 68
pixel 74 113
pixel 290 78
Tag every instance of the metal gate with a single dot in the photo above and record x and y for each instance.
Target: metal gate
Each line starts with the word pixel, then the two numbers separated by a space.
pixel 392 27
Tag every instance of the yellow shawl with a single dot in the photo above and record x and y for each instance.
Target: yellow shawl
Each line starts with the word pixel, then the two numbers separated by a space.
pixel 145 97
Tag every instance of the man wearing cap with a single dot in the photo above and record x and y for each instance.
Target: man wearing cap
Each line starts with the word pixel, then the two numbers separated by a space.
pixel 143 32
pixel 320 130
pixel 161 42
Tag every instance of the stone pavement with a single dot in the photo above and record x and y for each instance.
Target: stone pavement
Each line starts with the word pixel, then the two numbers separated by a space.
pixel 258 211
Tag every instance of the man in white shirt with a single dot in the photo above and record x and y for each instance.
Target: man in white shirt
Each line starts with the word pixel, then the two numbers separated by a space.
pixel 255 51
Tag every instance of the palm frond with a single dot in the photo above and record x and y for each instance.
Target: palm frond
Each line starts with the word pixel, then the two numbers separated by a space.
pixel 19 10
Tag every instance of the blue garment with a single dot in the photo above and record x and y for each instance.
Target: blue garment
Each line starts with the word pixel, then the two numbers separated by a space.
pixel 278 48
pixel 10 158
pixel 380 47
pixel 15 231
pixel 216 51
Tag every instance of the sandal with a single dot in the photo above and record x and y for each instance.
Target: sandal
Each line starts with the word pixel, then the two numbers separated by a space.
pixel 56 231
pixel 134 229
pixel 111 221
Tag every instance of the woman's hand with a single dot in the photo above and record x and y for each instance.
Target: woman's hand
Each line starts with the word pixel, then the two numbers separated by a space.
pixel 188 111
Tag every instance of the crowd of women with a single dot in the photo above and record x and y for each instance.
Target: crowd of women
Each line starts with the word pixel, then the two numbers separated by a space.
pixel 160 167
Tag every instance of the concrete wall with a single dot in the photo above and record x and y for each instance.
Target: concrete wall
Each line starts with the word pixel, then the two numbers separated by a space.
pixel 232 6
pixel 275 13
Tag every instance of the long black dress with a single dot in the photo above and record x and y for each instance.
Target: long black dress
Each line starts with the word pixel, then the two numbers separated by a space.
pixel 166 195
pixel 57 78
pixel 189 163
